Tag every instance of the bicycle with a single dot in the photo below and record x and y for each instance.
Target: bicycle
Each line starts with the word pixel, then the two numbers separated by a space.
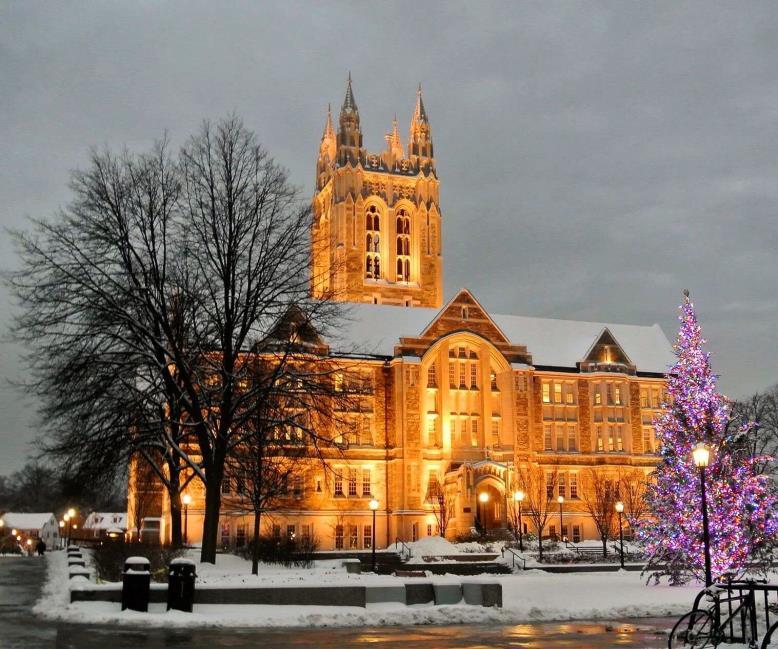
pixel 709 627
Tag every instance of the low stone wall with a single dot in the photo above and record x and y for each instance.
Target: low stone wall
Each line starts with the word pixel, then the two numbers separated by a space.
pixel 408 593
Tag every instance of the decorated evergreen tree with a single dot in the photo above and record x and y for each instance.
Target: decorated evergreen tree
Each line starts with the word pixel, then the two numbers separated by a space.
pixel 741 503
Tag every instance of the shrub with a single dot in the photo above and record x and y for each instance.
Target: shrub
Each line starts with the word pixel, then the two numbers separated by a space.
pixel 108 559
pixel 290 552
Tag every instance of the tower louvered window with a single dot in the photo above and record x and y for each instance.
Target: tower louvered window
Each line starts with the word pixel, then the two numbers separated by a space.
pixel 403 246
pixel 372 243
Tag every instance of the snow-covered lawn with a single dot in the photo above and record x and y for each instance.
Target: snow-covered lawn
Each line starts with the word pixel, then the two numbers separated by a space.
pixel 527 596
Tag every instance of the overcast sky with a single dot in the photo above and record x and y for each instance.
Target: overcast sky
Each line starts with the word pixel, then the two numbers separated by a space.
pixel 595 158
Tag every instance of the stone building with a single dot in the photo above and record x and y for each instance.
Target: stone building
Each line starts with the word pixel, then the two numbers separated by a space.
pixel 456 402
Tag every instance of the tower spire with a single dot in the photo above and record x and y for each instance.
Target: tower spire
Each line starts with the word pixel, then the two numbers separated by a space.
pixel 419 114
pixel 349 104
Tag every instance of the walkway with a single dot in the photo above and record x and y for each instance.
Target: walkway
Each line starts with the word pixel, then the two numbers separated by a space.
pixel 21 580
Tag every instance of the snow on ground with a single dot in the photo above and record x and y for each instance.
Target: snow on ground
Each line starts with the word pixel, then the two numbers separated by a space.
pixel 527 597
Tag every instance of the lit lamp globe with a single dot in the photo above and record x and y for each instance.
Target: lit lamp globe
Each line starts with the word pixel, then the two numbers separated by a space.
pixel 619 507
pixel 518 496
pixel 483 497
pixel 71 512
pixel 701 455
pixel 2 523
pixel 29 541
pixel 373 504
pixel 19 538
pixel 560 499
pixel 62 524
pixel 186 499
pixel 13 532
pixel 66 517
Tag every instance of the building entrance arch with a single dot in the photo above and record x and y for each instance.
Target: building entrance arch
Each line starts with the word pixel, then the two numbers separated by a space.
pixel 490 511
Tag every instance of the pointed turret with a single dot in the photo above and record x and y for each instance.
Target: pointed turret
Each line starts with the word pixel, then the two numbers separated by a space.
pixel 394 145
pixel 349 139
pixel 420 137
pixel 327 149
pixel 328 139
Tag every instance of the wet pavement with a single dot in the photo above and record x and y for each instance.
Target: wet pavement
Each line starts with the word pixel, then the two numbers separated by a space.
pixel 21 581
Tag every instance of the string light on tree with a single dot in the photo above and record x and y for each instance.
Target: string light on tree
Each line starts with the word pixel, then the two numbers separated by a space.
pixel 740 503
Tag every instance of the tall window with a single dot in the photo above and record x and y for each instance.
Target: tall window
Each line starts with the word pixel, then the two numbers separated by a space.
pixel 366 482
pixel 403 246
pixel 367 537
pixel 432 379
pixel 338 537
pixel 372 243
pixel 352 482
pixel 573 486
pixel 338 483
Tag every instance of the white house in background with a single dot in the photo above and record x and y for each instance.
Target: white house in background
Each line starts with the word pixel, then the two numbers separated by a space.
pixel 35 526
pixel 101 524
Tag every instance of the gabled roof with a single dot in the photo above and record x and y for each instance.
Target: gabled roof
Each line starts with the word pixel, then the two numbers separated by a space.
pixel 27 521
pixel 376 329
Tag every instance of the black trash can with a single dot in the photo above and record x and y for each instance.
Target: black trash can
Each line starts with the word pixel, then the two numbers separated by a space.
pixel 136 584
pixel 181 585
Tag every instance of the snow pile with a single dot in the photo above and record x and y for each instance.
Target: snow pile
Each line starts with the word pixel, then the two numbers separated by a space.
pixel 528 596
pixel 432 546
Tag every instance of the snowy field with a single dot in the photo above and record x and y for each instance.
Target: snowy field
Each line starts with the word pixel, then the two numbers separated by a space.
pixel 527 596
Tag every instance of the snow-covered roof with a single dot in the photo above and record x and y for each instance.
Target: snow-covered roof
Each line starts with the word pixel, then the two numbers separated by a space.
pixel 102 520
pixel 376 329
pixel 27 521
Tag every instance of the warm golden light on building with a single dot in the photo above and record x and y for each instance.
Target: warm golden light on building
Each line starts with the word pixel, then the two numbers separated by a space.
pixel 457 405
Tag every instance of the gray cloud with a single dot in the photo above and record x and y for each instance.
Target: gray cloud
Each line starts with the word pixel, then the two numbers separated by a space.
pixel 595 158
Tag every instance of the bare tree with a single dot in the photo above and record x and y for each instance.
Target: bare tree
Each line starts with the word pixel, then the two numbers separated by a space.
pixel 755 419
pixel 632 492
pixel 539 484
pixel 146 496
pixel 600 494
pixel 165 276
pixel 443 506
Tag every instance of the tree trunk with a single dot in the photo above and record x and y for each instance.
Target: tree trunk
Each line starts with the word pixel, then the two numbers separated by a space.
pixel 176 538
pixel 540 545
pixel 255 547
pixel 174 494
pixel 604 546
pixel 211 515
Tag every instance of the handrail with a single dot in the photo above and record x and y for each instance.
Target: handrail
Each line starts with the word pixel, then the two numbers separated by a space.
pixel 515 555
pixel 405 548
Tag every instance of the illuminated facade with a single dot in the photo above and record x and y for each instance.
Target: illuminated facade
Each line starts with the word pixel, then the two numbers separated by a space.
pixel 454 400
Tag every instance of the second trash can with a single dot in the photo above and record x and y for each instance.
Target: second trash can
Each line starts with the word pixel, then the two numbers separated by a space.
pixel 181 585
pixel 136 584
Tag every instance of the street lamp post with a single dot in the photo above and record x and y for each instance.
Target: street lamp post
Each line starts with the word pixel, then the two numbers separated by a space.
pixel 373 508
pixel 69 518
pixel 518 496
pixel 619 511
pixel 186 499
pixel 61 536
pixel 701 455
pixel 560 500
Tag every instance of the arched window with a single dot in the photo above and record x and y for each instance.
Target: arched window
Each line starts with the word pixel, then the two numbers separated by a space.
pixel 372 243
pixel 403 246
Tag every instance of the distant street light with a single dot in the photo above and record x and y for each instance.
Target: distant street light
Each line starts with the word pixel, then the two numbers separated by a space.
pixel 620 511
pixel 701 455
pixel 187 499
pixel 560 500
pixel 373 507
pixel 518 497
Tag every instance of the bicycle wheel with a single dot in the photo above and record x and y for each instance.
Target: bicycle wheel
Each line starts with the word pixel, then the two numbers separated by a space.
pixel 694 630
pixel 771 638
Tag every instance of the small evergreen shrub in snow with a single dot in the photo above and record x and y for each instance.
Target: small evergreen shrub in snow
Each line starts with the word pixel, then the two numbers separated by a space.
pixel 291 552
pixel 108 559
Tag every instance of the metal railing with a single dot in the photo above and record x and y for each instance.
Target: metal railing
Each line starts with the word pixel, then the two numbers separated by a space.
pixel 404 548
pixel 514 556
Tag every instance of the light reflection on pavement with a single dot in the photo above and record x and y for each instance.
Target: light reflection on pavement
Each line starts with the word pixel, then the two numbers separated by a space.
pixel 21 580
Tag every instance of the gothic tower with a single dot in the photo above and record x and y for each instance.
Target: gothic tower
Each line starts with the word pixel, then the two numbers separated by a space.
pixel 376 217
